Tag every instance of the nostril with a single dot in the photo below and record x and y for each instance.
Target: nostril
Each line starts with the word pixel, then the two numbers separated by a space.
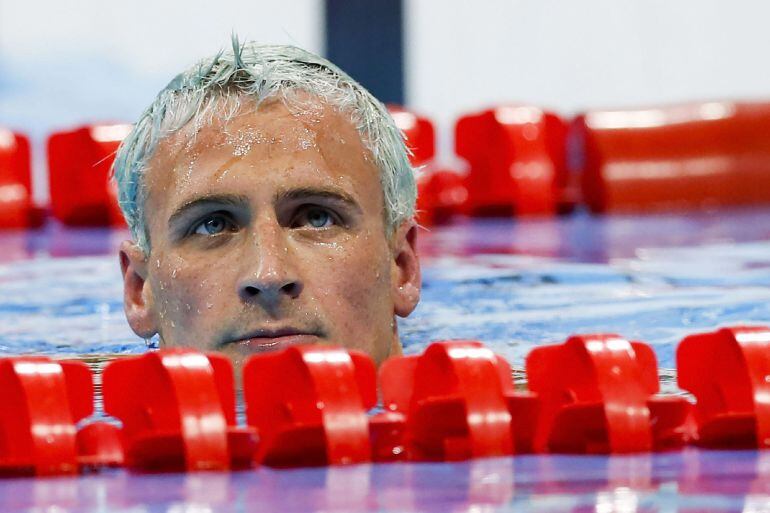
pixel 251 291
pixel 291 289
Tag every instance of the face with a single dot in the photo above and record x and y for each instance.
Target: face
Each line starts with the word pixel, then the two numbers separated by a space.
pixel 267 231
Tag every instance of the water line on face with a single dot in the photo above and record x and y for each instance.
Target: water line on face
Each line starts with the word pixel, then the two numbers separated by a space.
pixel 153 342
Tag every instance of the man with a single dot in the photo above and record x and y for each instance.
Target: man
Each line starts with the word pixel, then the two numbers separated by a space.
pixel 270 201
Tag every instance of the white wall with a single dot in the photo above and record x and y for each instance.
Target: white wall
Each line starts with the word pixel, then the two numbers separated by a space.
pixel 68 62
pixel 573 55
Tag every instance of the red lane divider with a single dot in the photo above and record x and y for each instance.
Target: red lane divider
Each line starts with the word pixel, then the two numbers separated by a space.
pixel 459 402
pixel 597 396
pixel 311 405
pixel 178 411
pixel 690 156
pixel 42 402
pixel 728 371
pixel 16 206
pixel 517 159
pixel 673 158
pixel 79 163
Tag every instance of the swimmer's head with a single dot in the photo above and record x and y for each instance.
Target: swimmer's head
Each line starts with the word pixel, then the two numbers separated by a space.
pixel 216 87
pixel 271 202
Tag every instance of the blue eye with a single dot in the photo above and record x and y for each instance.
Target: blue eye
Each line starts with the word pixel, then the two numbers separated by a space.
pixel 317 218
pixel 213 225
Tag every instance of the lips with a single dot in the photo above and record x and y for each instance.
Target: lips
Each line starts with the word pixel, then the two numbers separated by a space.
pixel 272 340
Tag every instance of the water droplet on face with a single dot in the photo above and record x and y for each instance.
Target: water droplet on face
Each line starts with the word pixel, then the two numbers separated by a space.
pixel 243 140
pixel 223 175
pixel 190 166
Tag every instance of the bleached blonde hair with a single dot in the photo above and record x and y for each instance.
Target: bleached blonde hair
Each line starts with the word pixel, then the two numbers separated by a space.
pixel 215 86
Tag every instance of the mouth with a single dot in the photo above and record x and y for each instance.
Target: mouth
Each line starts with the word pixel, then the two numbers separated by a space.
pixel 264 340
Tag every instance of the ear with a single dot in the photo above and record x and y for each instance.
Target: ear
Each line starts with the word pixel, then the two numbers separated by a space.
pixel 405 272
pixel 137 296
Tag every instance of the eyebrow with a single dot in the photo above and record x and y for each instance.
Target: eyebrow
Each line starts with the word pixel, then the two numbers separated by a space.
pixel 207 201
pixel 305 193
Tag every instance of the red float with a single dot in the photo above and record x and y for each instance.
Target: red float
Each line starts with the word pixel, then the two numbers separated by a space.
pixel 459 403
pixel 309 405
pixel 42 401
pixel 79 165
pixel 728 371
pixel 177 407
pixel 516 156
pixel 441 194
pixel 597 396
pixel 419 133
pixel 680 157
pixel 16 205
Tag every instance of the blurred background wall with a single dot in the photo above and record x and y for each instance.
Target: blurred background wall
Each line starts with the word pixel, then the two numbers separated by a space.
pixel 66 63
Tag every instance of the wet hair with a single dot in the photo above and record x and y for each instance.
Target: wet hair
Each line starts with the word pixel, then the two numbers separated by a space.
pixel 216 86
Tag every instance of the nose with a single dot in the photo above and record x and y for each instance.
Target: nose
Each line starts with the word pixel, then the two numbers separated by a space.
pixel 270 290
pixel 270 275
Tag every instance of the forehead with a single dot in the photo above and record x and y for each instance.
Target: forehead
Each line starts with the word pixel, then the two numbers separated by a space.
pixel 303 145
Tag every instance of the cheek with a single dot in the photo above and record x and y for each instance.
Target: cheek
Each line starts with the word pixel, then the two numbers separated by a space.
pixel 186 293
pixel 356 281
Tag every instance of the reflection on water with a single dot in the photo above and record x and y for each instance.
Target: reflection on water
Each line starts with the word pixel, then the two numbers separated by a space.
pixel 683 481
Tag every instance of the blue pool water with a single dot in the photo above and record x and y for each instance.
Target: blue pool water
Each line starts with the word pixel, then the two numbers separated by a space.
pixel 512 285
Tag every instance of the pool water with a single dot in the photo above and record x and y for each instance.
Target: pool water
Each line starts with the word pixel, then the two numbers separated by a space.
pixel 511 284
